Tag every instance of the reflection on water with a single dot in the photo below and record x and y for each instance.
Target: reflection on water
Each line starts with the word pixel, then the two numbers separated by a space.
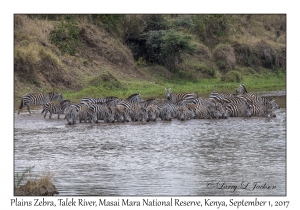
pixel 195 157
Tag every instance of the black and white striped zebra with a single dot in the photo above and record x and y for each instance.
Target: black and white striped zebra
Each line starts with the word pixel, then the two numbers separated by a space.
pixel 173 98
pixel 152 113
pixel 134 98
pixel 84 113
pixel 235 100
pixel 260 110
pixel 183 113
pixel 241 89
pixel 71 114
pixel 98 100
pixel 255 98
pixel 101 112
pixel 38 99
pixel 55 108
pixel 137 112
pixel 201 111
pixel 205 101
pixel 148 102
pixel 165 112
pixel 122 114
pixel 239 110
pixel 220 96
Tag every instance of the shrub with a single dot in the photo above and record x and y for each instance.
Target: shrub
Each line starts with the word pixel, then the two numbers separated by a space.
pixel 66 35
pixel 224 57
pixel 167 46
pixel 232 76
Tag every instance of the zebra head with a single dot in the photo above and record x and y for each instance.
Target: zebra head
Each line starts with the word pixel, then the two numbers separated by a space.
pixel 168 93
pixel 241 89
pixel 273 104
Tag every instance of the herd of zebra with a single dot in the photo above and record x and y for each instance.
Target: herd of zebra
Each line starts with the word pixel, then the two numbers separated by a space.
pixel 182 106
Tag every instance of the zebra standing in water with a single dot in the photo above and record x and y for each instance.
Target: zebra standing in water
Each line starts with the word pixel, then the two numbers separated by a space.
pixel 71 114
pixel 254 98
pixel 54 108
pixel 38 99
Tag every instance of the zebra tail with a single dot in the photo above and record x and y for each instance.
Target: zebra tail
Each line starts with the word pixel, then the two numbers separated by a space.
pixel 22 100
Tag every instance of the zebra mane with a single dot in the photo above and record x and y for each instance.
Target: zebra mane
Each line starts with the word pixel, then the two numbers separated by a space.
pixel 133 95
pixel 244 88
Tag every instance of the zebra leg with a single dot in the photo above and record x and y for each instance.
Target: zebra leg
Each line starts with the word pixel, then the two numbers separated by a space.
pixel 28 108
pixel 50 115
pixel 45 113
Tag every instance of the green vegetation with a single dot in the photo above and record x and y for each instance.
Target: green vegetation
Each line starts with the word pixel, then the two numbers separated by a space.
pixel 20 178
pixel 119 54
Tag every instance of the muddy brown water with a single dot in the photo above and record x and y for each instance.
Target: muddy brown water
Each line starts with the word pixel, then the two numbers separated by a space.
pixel 235 156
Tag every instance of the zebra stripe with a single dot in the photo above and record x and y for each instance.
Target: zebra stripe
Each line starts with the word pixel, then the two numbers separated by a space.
pixel 239 110
pixel 262 110
pixel 38 99
pixel 98 100
pixel 220 96
pixel 134 98
pixel 101 112
pixel 201 111
pixel 183 113
pixel 55 108
pixel 148 102
pixel 84 113
pixel 236 100
pixel 173 98
pixel 152 113
pixel 71 114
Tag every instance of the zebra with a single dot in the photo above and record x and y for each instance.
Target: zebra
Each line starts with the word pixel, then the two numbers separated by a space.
pixel 71 114
pixel 134 98
pixel 223 112
pixel 200 111
pixel 152 112
pixel 137 112
pixel 55 108
pixel 165 112
pixel 98 100
pixel 183 113
pixel 254 98
pixel 172 98
pixel 38 99
pixel 239 110
pixel 84 113
pixel 241 89
pixel 205 101
pixel 220 96
pixel 121 114
pixel 261 100
pixel 101 112
pixel 235 100
pixel 148 102
pixel 262 110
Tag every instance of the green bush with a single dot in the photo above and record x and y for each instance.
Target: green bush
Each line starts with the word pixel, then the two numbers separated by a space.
pixel 66 35
pixel 232 76
pixel 166 47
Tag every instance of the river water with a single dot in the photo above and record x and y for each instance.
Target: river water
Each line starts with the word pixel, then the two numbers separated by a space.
pixel 235 156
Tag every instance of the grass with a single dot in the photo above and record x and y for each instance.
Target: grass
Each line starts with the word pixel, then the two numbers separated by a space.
pixel 38 187
pixel 266 81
